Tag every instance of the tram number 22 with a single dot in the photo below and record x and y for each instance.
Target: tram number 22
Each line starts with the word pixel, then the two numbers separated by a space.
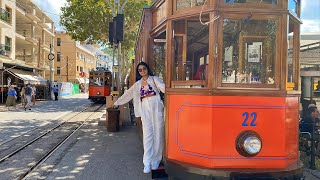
pixel 249 119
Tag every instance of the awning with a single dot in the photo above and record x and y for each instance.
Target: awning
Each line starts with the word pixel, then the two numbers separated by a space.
pixel 28 76
pixel 81 80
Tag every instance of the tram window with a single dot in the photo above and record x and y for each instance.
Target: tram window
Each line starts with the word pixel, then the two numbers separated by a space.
pixel 252 1
pixel 290 54
pixel 97 81
pixel 191 52
pixel 292 6
pixel 184 4
pixel 249 51
pixel 91 81
pixel 292 76
pixel 159 56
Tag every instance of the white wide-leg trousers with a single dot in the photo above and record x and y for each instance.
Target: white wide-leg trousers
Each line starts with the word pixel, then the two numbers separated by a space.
pixel 153 129
pixel 28 105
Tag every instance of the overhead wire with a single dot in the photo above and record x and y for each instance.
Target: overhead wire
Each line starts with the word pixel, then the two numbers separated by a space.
pixel 207 23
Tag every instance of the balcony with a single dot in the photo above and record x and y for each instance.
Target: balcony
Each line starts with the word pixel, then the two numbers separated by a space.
pixel 5 50
pixel 45 47
pixel 44 25
pixel 21 7
pixel 5 19
pixel 32 40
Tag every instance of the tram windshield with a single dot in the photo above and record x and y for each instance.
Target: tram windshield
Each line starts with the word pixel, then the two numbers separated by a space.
pixel 100 79
pixel 249 51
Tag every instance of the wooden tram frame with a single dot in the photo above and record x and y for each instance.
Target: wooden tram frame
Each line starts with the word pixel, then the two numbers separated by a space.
pixel 98 93
pixel 160 18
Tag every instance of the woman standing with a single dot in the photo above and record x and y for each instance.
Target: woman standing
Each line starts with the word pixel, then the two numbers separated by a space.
pixel 11 98
pixel 148 105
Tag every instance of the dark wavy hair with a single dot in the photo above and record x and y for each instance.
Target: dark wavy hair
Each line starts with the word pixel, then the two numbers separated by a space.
pixel 138 77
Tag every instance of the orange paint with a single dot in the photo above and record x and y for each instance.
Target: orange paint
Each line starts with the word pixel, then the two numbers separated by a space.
pixel 202 130
pixel 104 91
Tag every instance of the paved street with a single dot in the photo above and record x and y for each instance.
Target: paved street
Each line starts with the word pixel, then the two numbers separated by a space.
pixel 91 153
pixel 15 122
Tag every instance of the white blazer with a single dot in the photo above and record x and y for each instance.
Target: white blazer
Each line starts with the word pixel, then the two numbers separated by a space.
pixel 134 93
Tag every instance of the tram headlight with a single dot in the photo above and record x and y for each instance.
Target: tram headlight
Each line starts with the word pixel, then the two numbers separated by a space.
pixel 98 93
pixel 248 144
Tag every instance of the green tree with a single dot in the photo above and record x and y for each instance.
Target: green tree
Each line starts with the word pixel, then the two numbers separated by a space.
pixel 88 20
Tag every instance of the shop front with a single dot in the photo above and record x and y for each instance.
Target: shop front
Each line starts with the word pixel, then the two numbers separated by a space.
pixel 20 78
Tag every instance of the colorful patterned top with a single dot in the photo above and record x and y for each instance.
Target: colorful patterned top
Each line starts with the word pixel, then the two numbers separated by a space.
pixel 146 91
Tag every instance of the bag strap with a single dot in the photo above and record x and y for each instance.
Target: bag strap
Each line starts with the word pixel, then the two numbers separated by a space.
pixel 155 85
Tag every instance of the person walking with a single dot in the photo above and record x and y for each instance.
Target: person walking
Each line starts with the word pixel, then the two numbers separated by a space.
pixel 55 90
pixel 23 97
pixel 148 105
pixel 28 95
pixel 34 93
pixel 11 98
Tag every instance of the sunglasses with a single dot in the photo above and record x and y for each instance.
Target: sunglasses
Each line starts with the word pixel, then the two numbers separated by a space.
pixel 142 69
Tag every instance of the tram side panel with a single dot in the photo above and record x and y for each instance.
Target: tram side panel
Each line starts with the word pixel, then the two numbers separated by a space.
pixel 98 92
pixel 292 127
pixel 203 130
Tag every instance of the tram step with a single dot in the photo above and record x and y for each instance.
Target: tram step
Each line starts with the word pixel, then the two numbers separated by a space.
pixel 159 173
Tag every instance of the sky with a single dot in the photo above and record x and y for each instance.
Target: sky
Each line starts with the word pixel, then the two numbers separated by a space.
pixel 52 9
pixel 310 16
pixel 310 13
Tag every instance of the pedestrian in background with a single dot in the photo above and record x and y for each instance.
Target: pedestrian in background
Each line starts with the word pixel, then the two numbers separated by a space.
pixel 34 93
pixel 28 95
pixel 149 106
pixel 11 98
pixel 23 97
pixel 55 90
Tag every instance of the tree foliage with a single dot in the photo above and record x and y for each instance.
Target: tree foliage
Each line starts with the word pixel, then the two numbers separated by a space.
pixel 88 20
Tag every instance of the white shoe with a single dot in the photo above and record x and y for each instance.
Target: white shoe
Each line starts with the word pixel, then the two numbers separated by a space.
pixel 154 165
pixel 146 169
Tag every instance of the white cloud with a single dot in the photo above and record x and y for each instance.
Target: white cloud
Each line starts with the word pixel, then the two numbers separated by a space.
pixel 303 5
pixel 52 9
pixel 310 16
pixel 310 26
pixel 51 5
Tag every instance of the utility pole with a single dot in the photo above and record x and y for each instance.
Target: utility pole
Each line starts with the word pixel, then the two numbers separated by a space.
pixel 51 77
pixel 67 69
pixel 114 12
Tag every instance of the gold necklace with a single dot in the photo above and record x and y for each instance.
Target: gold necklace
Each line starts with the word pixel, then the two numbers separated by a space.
pixel 144 80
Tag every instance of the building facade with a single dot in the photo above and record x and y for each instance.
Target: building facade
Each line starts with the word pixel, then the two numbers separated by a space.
pixel 73 60
pixel 25 36
pixel 104 60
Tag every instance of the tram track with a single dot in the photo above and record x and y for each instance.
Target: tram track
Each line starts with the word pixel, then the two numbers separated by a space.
pixel 42 146
pixel 18 143
pixel 80 109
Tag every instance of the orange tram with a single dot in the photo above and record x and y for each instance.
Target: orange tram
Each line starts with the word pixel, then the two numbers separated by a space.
pixel 231 69
pixel 100 83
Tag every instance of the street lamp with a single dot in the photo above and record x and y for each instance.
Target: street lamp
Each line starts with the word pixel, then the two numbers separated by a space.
pixel 4 70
